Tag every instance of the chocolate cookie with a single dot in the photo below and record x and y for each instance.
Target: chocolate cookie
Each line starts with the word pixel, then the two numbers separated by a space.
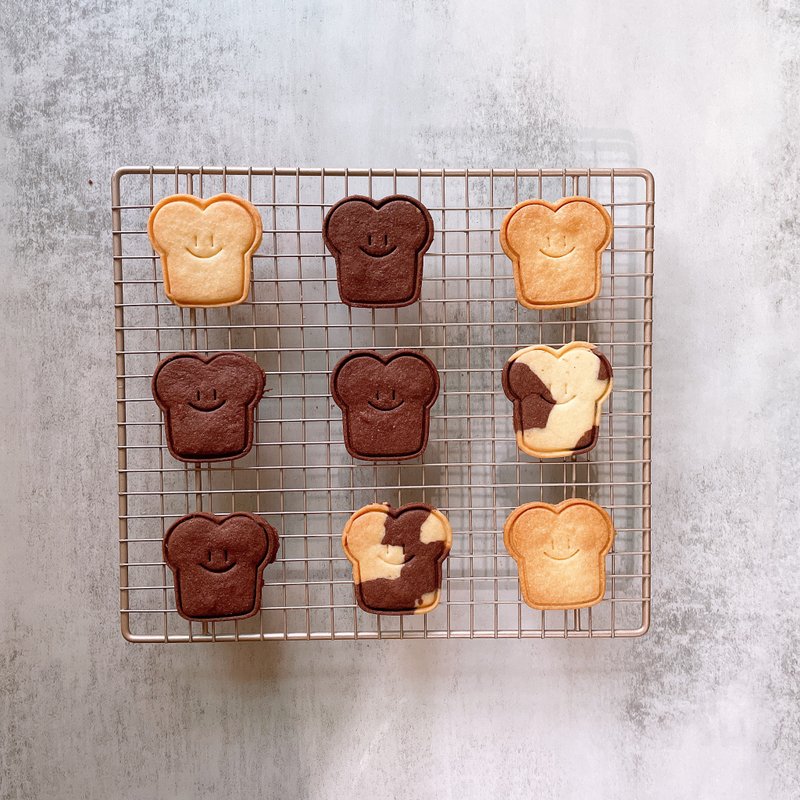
pixel 397 556
pixel 556 250
pixel 378 246
pixel 560 552
pixel 209 404
pixel 558 397
pixel 386 403
pixel 218 564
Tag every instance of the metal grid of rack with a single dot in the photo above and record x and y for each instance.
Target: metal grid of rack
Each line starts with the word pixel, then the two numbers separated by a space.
pixel 299 475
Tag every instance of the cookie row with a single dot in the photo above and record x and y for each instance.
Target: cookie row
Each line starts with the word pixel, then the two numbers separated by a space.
pixel 397 554
pixel 209 402
pixel 207 246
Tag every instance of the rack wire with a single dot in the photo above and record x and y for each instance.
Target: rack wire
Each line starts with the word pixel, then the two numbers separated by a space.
pixel 299 475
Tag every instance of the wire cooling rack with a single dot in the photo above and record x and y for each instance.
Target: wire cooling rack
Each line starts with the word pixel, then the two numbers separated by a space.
pixel 298 474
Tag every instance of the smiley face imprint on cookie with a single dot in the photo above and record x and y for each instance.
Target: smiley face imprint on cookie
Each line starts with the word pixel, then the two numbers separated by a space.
pixel 204 246
pixel 217 561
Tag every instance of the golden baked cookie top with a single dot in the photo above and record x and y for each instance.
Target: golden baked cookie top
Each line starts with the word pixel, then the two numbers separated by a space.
pixel 556 250
pixel 206 248
pixel 560 552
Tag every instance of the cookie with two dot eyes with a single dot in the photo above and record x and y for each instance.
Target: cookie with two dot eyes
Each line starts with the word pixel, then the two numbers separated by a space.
pixel 206 248
pixel 560 552
pixel 218 564
pixel 378 246
pixel 558 397
pixel 397 556
pixel 209 404
pixel 386 402
pixel 556 250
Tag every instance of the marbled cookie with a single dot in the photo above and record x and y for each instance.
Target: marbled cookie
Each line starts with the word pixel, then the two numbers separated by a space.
pixel 560 552
pixel 397 556
pixel 556 250
pixel 558 397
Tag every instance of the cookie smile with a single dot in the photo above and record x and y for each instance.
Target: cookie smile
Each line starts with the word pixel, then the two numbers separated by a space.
pixel 209 566
pixel 205 253
pixel 219 570
pixel 208 409
pixel 562 558
pixel 391 407
pixel 556 255
pixel 375 252
pixel 407 559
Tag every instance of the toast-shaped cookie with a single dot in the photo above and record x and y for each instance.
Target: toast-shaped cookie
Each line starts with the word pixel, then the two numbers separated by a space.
pixel 206 248
pixel 218 564
pixel 378 246
pixel 556 250
pixel 209 404
pixel 560 552
pixel 397 556
pixel 386 403
pixel 558 397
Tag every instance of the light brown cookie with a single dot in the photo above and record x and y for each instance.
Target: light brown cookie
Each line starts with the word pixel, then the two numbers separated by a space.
pixel 397 556
pixel 556 250
pixel 560 552
pixel 206 248
pixel 558 397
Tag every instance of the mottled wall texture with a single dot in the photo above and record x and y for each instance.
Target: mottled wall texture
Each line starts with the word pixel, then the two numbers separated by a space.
pixel 706 95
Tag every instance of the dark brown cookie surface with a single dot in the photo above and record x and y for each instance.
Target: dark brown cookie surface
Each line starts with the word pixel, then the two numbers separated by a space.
pixel 397 556
pixel 209 404
pixel 386 402
pixel 378 246
pixel 218 564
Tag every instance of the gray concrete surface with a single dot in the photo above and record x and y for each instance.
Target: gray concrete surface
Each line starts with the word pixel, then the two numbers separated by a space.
pixel 706 95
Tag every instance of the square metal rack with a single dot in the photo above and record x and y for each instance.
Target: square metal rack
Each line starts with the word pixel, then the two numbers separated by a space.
pixel 299 475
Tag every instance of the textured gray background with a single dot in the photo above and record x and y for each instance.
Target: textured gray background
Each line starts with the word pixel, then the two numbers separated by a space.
pixel 706 95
